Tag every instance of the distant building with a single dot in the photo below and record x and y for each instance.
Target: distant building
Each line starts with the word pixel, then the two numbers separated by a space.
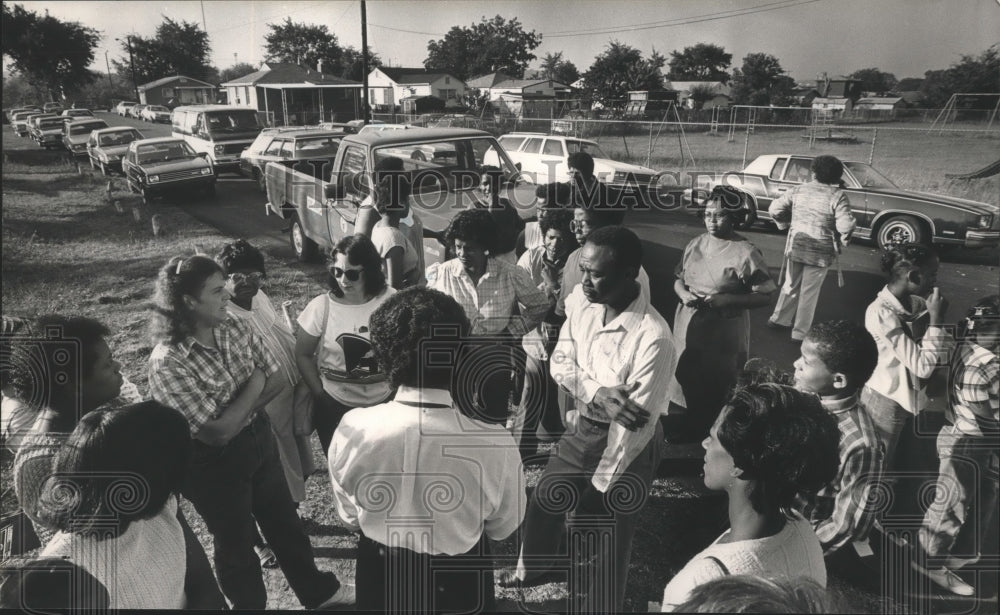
pixel 832 106
pixel 176 91
pixel 494 87
pixel 804 96
pixel 722 93
pixel 839 88
pixel 486 82
pixel 389 85
pixel 296 95
pixel 414 105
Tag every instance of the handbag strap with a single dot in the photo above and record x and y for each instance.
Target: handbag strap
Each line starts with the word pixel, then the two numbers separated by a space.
pixel 719 563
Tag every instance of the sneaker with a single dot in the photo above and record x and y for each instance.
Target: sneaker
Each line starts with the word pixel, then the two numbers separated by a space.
pixel 946 580
pixel 343 600
pixel 956 562
pixel 267 557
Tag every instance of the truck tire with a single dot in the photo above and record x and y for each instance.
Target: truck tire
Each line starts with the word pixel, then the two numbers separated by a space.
pixel 305 249
pixel 900 229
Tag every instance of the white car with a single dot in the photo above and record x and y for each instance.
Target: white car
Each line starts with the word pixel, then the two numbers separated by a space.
pixel 123 107
pixel 155 113
pixel 543 160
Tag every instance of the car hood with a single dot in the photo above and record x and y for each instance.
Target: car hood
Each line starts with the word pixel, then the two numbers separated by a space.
pixel 621 166
pixel 77 139
pixel 174 165
pixel 977 207
pixel 112 150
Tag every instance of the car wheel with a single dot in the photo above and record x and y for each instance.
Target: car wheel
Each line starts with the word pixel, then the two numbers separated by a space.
pixel 305 248
pixel 261 180
pixel 900 229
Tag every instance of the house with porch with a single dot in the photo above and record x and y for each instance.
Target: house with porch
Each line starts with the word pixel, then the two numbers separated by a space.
pixel 389 85
pixel 176 91
pixel 295 95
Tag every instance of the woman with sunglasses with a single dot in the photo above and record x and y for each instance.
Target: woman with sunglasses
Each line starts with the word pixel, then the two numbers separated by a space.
pixel 333 348
pixel 720 278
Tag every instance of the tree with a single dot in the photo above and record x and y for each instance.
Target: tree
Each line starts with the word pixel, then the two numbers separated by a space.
pixel 701 62
pixel 236 71
pixel 971 75
pixel 351 66
pixel 621 68
pixel 761 81
pixel 490 45
pixel 305 44
pixel 555 68
pixel 700 94
pixel 874 80
pixel 177 48
pixel 50 53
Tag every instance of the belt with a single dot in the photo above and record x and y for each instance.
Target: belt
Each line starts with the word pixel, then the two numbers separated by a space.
pixel 598 424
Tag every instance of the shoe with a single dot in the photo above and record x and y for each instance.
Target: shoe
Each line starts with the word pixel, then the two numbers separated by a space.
pixel 267 557
pixel 946 580
pixel 773 325
pixel 345 597
pixel 955 562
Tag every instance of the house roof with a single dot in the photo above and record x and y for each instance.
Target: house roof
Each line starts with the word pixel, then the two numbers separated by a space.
pixel 520 84
pixel 484 82
pixel 879 100
pixel 831 100
pixel 288 73
pixel 166 80
pixel 412 76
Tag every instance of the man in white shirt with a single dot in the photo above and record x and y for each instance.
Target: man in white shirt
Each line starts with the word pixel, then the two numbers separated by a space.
pixel 424 483
pixel 616 358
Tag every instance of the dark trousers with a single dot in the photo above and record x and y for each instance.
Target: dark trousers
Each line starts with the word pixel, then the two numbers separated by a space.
pixel 398 580
pixel 231 486
pixel 327 413
pixel 539 406
pixel 484 377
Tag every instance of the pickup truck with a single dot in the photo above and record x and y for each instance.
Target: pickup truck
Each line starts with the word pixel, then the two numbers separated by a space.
pixel 321 197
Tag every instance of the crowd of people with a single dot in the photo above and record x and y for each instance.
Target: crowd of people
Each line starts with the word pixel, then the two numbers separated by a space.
pixel 431 388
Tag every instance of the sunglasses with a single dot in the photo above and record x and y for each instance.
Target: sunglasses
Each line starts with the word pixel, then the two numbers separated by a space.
pixel 575 225
pixel 352 275
pixel 239 278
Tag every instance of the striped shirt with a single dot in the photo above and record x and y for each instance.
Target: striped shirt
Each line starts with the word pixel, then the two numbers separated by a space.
pixel 200 381
pixel 974 395
pixel 811 213
pixel 840 512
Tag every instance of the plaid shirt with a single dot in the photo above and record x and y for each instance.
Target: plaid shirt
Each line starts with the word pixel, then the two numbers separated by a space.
pixel 975 390
pixel 490 304
pixel 200 381
pixel 840 512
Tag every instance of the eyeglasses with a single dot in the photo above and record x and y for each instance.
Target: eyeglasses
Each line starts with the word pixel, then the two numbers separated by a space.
pixel 254 277
pixel 352 275
pixel 577 225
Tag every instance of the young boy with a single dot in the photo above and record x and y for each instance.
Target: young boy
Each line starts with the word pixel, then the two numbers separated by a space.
pixel 837 359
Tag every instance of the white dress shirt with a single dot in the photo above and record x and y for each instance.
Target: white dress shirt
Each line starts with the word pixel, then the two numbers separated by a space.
pixel 636 347
pixel 416 473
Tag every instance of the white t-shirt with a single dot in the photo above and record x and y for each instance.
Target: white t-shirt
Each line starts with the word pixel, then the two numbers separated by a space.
pixel 386 238
pixel 344 354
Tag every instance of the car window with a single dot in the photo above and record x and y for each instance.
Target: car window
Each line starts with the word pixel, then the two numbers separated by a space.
pixel 868 177
pixel 327 146
pixel 354 167
pixel 574 146
pixel 511 143
pixel 274 149
pixel 533 145
pixel 553 147
pixel 286 149
pixel 779 165
pixel 798 170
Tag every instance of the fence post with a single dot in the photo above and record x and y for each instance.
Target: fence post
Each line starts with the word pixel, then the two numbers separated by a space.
pixel 746 147
pixel 871 154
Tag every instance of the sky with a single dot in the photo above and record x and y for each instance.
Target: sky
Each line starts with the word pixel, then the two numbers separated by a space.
pixel 809 37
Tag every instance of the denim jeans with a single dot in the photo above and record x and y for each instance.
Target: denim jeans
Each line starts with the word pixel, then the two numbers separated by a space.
pixel 231 486
pixel 889 417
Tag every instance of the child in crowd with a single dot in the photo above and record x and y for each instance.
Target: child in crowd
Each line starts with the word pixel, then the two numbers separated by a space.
pixel 908 351
pixel 837 358
pixel 965 507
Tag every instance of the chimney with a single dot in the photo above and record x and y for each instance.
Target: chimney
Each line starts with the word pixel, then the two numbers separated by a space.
pixel 319 65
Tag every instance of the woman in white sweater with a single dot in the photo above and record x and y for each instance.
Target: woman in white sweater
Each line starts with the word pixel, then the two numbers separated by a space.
pixel 113 498
pixel 769 443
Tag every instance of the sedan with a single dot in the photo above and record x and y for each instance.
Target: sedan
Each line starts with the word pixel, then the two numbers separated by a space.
pixel 288 145
pixel 155 113
pixel 123 107
pixel 77 113
pixel 106 147
pixel 135 111
pixel 156 166
pixel 885 213
pixel 47 131
pixel 76 133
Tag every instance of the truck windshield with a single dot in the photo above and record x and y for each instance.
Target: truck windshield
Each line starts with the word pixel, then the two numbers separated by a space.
pixel 232 122
pixel 593 149
pixel 446 165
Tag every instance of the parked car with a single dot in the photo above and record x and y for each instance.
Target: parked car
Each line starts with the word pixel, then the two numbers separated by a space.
pixel 290 143
pixel 46 131
pixel 155 113
pixel 76 134
pixel 135 111
pixel 52 107
pixel 153 167
pixel 885 213
pixel 356 125
pixel 106 146
pixel 19 122
pixel 543 160
pixel 123 107
pixel 30 108
pixel 70 114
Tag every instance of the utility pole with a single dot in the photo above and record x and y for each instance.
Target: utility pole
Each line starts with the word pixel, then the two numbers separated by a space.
pixel 365 115
pixel 204 26
pixel 111 84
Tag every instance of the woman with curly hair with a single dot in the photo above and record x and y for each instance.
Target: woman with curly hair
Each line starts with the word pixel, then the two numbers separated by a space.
pixel 769 444
pixel 499 299
pixel 127 466
pixel 217 372
pixel 720 278
pixel 333 348
pixel 456 479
